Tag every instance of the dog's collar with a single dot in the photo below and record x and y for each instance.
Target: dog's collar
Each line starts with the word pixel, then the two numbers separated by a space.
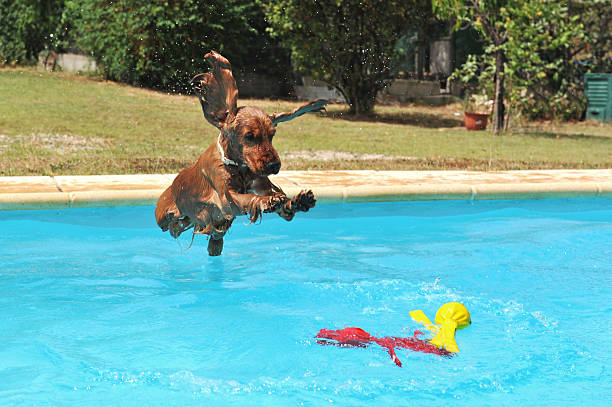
pixel 225 160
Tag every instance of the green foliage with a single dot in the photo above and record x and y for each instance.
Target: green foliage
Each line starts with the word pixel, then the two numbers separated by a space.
pixel 405 48
pixel 541 37
pixel 477 74
pixel 595 54
pixel 27 27
pixel 348 44
pixel 538 39
pixel 157 43
pixel 162 43
pixel 467 42
pixel 468 11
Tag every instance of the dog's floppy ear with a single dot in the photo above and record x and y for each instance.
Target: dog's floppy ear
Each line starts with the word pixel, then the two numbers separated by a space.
pixel 317 105
pixel 217 91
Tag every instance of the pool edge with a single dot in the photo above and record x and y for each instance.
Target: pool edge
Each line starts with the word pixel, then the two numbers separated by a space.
pixel 61 192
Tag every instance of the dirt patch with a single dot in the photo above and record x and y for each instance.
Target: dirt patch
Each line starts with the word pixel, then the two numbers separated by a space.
pixel 55 142
pixel 329 155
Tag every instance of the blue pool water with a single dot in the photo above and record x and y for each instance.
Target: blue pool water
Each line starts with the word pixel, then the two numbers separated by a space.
pixel 99 307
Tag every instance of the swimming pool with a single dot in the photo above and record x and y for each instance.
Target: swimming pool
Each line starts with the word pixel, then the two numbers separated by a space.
pixel 99 307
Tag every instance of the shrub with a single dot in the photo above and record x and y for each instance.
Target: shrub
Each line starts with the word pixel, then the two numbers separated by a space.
pixel 27 27
pixel 161 43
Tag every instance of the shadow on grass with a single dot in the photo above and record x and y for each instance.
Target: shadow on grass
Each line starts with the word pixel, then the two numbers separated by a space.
pixel 428 120
pixel 439 163
pixel 558 135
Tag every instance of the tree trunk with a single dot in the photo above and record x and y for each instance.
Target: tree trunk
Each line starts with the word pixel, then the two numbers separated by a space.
pixel 361 98
pixel 498 106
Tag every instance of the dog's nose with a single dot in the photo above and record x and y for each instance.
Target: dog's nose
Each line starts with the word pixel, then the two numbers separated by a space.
pixel 273 167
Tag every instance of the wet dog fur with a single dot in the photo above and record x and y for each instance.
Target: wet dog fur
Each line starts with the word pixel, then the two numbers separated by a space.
pixel 230 178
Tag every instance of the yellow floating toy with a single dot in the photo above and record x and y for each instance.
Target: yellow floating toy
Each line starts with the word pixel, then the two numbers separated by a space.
pixel 451 316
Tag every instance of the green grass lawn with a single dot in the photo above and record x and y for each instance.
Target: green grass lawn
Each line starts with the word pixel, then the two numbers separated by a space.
pixel 58 124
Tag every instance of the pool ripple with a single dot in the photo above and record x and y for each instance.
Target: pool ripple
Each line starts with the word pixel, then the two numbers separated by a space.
pixel 94 313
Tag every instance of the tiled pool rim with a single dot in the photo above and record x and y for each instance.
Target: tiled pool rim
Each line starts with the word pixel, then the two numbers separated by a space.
pixel 58 192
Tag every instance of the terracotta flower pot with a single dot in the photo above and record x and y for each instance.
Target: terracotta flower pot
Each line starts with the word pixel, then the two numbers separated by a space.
pixel 476 121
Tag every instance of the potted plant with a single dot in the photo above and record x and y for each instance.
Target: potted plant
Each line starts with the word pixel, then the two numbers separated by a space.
pixel 477 80
pixel 477 111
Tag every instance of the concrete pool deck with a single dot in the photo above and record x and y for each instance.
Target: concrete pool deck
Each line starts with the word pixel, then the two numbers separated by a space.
pixel 57 192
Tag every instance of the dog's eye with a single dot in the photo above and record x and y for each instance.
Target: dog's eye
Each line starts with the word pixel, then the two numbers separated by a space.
pixel 249 137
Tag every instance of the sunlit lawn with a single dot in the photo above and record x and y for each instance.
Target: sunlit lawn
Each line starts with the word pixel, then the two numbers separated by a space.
pixel 54 123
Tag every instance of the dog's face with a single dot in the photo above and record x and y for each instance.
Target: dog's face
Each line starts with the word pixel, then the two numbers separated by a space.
pixel 248 130
pixel 250 135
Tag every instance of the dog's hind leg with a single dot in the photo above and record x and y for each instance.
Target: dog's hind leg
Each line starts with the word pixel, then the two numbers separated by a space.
pixel 215 246
pixel 217 231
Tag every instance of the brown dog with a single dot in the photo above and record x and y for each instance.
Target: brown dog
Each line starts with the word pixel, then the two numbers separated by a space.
pixel 231 177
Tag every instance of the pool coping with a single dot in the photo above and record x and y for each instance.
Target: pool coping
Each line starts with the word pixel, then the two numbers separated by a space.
pixel 59 192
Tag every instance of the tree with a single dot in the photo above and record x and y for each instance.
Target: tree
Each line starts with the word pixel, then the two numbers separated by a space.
pixel 540 40
pixel 543 40
pixel 484 16
pixel 349 44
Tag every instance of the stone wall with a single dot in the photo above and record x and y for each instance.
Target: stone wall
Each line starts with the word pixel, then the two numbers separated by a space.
pixel 70 62
pixel 402 90
pixel 405 90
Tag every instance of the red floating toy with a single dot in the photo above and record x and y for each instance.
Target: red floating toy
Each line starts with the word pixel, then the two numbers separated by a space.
pixel 357 337
pixel 450 317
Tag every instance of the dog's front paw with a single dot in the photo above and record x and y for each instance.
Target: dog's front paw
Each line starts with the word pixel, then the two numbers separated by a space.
pixel 265 204
pixel 272 203
pixel 303 201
